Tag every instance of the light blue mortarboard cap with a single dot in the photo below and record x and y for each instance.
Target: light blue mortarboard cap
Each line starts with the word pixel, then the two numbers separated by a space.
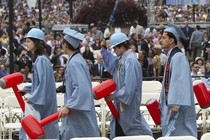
pixel 35 33
pixel 178 29
pixel 73 37
pixel 173 31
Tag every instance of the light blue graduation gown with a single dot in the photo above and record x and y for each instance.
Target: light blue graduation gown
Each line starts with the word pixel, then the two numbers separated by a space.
pixel 43 95
pixel 79 98
pixel 180 95
pixel 129 94
pixel 206 81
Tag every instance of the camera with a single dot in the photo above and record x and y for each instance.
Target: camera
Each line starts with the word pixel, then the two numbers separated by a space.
pixel 61 89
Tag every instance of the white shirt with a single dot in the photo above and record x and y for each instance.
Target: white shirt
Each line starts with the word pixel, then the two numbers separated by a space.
pixel 138 30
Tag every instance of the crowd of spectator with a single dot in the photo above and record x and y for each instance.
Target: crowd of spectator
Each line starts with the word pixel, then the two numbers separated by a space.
pixel 178 13
pixel 144 42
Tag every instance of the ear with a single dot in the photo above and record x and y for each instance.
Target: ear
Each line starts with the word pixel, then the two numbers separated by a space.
pixel 64 45
pixel 171 40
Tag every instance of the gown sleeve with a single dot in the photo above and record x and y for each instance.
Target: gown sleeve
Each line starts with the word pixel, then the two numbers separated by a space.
pixel 110 61
pixel 81 96
pixel 38 95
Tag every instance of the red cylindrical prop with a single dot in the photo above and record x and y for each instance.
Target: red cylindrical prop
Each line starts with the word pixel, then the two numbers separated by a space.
pixel 19 98
pixel 113 110
pixel 154 111
pixel 11 81
pixel 34 129
pixel 105 89
pixel 202 95
pixel 50 119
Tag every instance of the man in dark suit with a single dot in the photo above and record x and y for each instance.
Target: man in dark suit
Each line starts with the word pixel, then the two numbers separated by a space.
pixel 187 30
pixel 145 44
pixel 99 72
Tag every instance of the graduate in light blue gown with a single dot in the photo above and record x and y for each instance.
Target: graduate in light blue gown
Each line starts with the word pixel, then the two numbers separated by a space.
pixel 127 73
pixel 43 91
pixel 78 97
pixel 177 97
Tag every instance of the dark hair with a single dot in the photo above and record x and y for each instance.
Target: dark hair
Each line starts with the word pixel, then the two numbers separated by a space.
pixel 3 52
pixel 198 27
pixel 193 64
pixel 183 42
pixel 132 35
pixel 151 29
pixel 70 46
pixel 125 44
pixel 170 35
pixel 33 22
pixel 39 48
pixel 27 24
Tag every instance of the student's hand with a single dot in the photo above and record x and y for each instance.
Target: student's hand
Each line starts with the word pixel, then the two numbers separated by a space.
pixel 109 98
pixel 64 111
pixel 174 109
pixel 27 101
pixel 22 92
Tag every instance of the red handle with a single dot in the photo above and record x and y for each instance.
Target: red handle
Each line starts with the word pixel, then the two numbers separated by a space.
pixel 113 109
pixel 11 81
pixel 51 118
pixel 19 98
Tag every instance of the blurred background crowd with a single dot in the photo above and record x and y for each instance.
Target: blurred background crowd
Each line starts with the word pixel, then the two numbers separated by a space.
pixel 144 40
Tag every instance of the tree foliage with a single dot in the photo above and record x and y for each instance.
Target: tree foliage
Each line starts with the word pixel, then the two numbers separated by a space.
pixel 101 10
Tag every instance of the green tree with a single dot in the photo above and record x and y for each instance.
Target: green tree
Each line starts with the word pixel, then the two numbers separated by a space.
pixel 101 10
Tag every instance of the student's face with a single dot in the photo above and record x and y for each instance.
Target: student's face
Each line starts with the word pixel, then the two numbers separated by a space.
pixel 165 41
pixel 30 45
pixel 118 51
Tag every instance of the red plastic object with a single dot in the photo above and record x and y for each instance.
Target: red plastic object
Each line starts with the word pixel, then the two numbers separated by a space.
pixel 105 89
pixel 202 95
pixel 154 111
pixel 11 81
pixel 34 129
pixel 113 110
